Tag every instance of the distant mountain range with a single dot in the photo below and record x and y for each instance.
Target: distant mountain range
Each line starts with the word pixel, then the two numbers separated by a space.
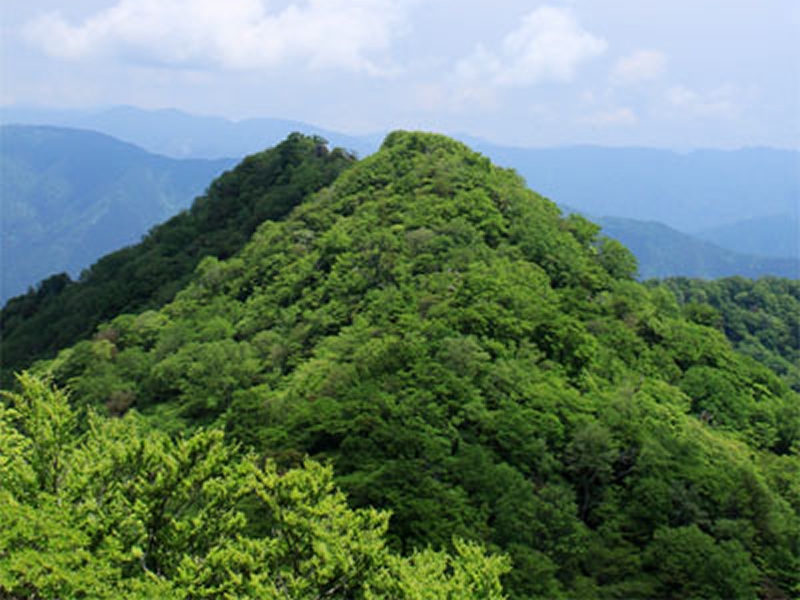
pixel 665 252
pixel 706 192
pixel 775 236
pixel 69 197
pixel 177 134
pixel 747 200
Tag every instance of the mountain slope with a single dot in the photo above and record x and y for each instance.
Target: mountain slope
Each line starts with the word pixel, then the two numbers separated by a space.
pixel 761 318
pixel 175 133
pixel 264 186
pixel 486 369
pixel 116 509
pixel 775 236
pixel 664 252
pixel 71 196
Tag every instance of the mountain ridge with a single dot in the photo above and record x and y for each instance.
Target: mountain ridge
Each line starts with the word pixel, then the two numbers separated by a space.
pixel 687 191
pixel 69 196
pixel 264 186
pixel 772 235
pixel 463 354
pixel 654 256
pixel 707 189
pixel 177 134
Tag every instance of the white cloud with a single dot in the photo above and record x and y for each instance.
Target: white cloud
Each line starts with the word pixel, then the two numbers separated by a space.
pixel 468 98
pixel 722 103
pixel 612 117
pixel 229 34
pixel 548 45
pixel 642 65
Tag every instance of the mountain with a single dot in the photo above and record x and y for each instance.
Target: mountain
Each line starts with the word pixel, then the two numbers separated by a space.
pixel 690 192
pixel 773 236
pixel 180 135
pixel 70 196
pixel 460 354
pixel 264 186
pixel 664 252
pixel 695 192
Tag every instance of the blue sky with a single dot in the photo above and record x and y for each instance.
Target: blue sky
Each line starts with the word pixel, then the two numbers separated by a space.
pixel 665 73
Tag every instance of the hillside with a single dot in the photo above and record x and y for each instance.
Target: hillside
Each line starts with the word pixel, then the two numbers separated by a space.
pixel 110 508
pixel 60 312
pixel 664 252
pixel 71 196
pixel 485 369
pixel 775 236
pixel 761 318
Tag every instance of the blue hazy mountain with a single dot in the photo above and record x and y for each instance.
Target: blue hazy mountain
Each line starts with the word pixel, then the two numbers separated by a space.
pixel 691 192
pixel 744 201
pixel 68 197
pixel 775 236
pixel 664 252
pixel 177 134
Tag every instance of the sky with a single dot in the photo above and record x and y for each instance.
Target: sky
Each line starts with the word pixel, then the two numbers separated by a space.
pixel 676 74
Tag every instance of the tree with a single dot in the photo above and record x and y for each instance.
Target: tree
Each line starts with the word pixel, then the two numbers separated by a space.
pixel 122 510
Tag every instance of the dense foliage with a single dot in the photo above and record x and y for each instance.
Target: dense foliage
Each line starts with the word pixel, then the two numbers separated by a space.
pixel 486 370
pixel 761 318
pixel 264 186
pixel 99 508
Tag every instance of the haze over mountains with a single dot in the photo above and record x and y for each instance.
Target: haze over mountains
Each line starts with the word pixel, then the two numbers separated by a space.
pixel 770 236
pixel 694 192
pixel 70 196
pixel 662 251
pixel 177 134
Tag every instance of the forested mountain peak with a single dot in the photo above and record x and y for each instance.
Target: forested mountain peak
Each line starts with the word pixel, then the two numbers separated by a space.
pixel 264 186
pixel 486 369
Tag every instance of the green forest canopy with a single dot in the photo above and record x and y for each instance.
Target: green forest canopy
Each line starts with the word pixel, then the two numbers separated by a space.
pixel 761 318
pixel 486 370
pixel 101 508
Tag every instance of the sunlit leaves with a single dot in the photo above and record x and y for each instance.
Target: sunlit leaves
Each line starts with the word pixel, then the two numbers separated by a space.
pixel 132 512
